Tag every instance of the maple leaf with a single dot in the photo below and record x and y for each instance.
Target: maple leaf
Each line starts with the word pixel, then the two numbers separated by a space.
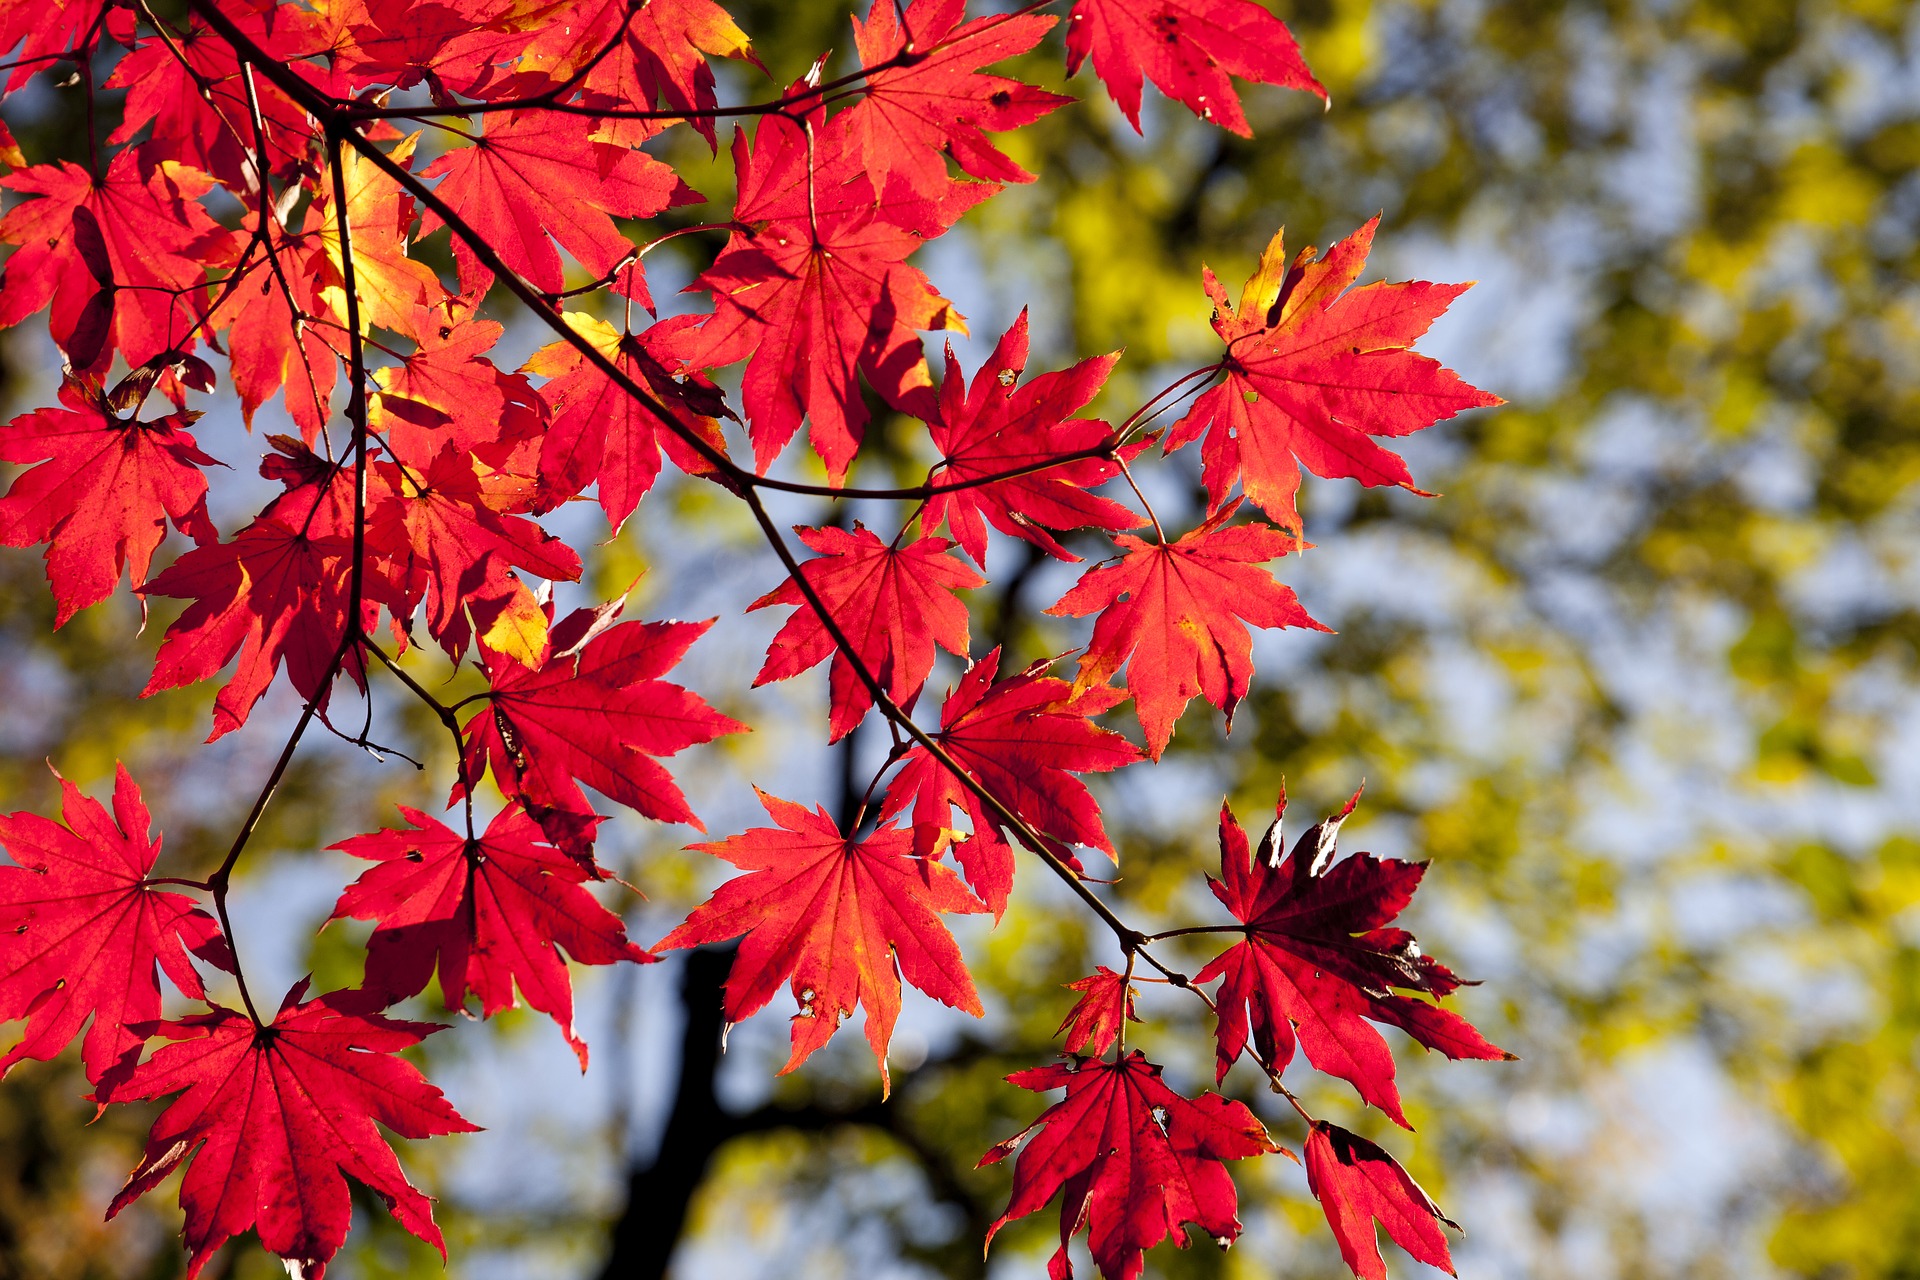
pixel 893 604
pixel 1023 738
pixel 281 326
pixel 992 428
pixel 1313 369
pixel 1357 1183
pixel 600 433
pixel 659 57
pixel 83 933
pixel 446 392
pixel 488 913
pixel 191 90
pixel 102 496
pixel 1190 49
pixel 813 290
pixel 1132 1160
pixel 1181 626
pixel 838 920
pixel 391 286
pixel 1317 961
pixel 536 174
pixel 274 1119
pixel 277 593
pixel 938 103
pixel 1105 1006
pixel 449 545
pixel 592 707
pixel 138 230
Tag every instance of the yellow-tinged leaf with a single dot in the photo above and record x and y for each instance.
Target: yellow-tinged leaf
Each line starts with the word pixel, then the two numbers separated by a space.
pixel 520 632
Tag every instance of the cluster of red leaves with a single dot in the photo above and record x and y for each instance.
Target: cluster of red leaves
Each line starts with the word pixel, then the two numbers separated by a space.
pixel 410 500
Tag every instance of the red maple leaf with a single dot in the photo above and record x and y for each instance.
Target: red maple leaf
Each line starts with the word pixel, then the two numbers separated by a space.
pixel 1176 614
pixel 602 434
pixel 1023 738
pixel 278 592
pixel 893 604
pixel 592 708
pixel 1132 1159
pixel 280 1116
pixel 103 495
pixel 838 920
pixel 813 290
pixel 83 933
pixel 537 174
pixel 281 326
pixel 488 913
pixel 191 90
pixel 937 104
pixel 446 392
pixel 138 231
pixel 1190 48
pixel 992 429
pixel 1314 369
pixel 660 56
pixel 1104 1008
pixel 450 541
pixel 1357 1183
pixel 1318 962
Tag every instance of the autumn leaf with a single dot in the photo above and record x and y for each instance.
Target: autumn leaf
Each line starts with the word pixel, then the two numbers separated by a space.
pixel 912 116
pixel 390 284
pixel 601 434
pixel 1313 370
pixel 620 56
pixel 84 934
pixel 1023 738
pixel 1132 1160
pixel 104 490
pixel 1190 48
pixel 1358 1184
pixel 275 594
pixel 281 326
pixel 995 429
pixel 489 914
pixel 153 242
pixel 1318 961
pixel 190 91
pixel 893 604
pixel 447 392
pixel 838 920
pixel 271 1121
pixel 533 176
pixel 451 546
pixel 593 709
pixel 1104 1008
pixel 813 291
pixel 1176 615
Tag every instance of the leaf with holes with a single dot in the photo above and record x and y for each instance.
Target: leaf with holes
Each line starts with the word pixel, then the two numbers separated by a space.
pixel 1190 48
pixel 1318 961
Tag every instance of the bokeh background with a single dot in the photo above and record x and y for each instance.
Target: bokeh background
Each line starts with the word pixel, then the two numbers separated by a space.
pixel 1644 684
